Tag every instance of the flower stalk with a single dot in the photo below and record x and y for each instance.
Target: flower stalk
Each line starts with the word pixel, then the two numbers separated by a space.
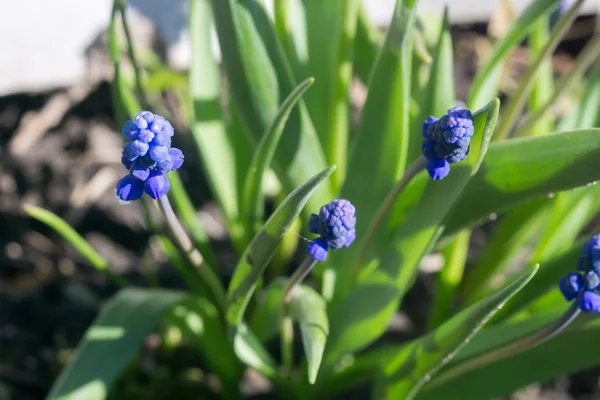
pixel 335 224
pixel 383 211
pixel 287 328
pixel 184 244
pixel 512 349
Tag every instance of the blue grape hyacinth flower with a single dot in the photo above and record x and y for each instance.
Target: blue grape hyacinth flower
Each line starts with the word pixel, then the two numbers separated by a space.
pixel 446 141
pixel 335 226
pixel 584 284
pixel 148 156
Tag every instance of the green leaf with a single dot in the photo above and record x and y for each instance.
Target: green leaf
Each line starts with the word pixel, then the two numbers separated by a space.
pixel 514 231
pixel 309 309
pixel 111 342
pixel 252 204
pixel 259 79
pixel 256 257
pixel 570 213
pixel 249 349
pixel 266 318
pixel 484 84
pixel 79 243
pixel 339 115
pixel 512 110
pixel 367 44
pixel 287 249
pixel 567 353
pixel 543 86
pixel 415 364
pixel 551 270
pixel 208 128
pixel 449 278
pixel 292 30
pixel 585 114
pixel 438 94
pixel 301 26
pixel 243 149
pixel 582 116
pixel 379 149
pixel 440 90
pixel 200 322
pixel 353 371
pixel 523 169
pixel 363 315
pixel 495 336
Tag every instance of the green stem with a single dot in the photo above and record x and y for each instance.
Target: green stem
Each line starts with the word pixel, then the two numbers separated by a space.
pixel 184 243
pixel 383 211
pixel 512 349
pixel 186 210
pixel 287 343
pixel 132 57
pixel 287 329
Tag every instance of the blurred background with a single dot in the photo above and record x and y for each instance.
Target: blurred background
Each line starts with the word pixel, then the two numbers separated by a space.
pixel 59 149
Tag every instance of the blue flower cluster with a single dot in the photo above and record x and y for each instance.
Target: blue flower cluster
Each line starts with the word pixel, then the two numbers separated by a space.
pixel 446 140
pixel 148 156
pixel 335 225
pixel 584 285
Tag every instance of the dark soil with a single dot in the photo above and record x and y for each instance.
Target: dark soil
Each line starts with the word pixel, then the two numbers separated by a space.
pixel 49 295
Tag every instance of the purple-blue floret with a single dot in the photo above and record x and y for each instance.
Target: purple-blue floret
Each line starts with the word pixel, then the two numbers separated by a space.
pixel 583 285
pixel 446 141
pixel 148 156
pixel 335 225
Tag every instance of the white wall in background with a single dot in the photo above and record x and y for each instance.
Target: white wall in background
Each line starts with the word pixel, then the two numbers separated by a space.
pixel 43 42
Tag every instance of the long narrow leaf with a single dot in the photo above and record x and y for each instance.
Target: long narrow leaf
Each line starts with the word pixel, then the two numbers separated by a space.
pixel 366 46
pixel 339 116
pixel 74 239
pixel 308 308
pixel 484 84
pixel 438 95
pixel 587 56
pixel 256 257
pixel 570 213
pixel 414 365
pixel 567 353
pixel 259 78
pixel 512 235
pixel 266 319
pixel 364 314
pixel 543 85
pixel 546 279
pixel 200 323
pixel 111 342
pixel 449 278
pixel 208 128
pixel 585 114
pixel 515 105
pixel 252 204
pixel 249 349
pixel 379 150
pixel 301 26
pixel 518 170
